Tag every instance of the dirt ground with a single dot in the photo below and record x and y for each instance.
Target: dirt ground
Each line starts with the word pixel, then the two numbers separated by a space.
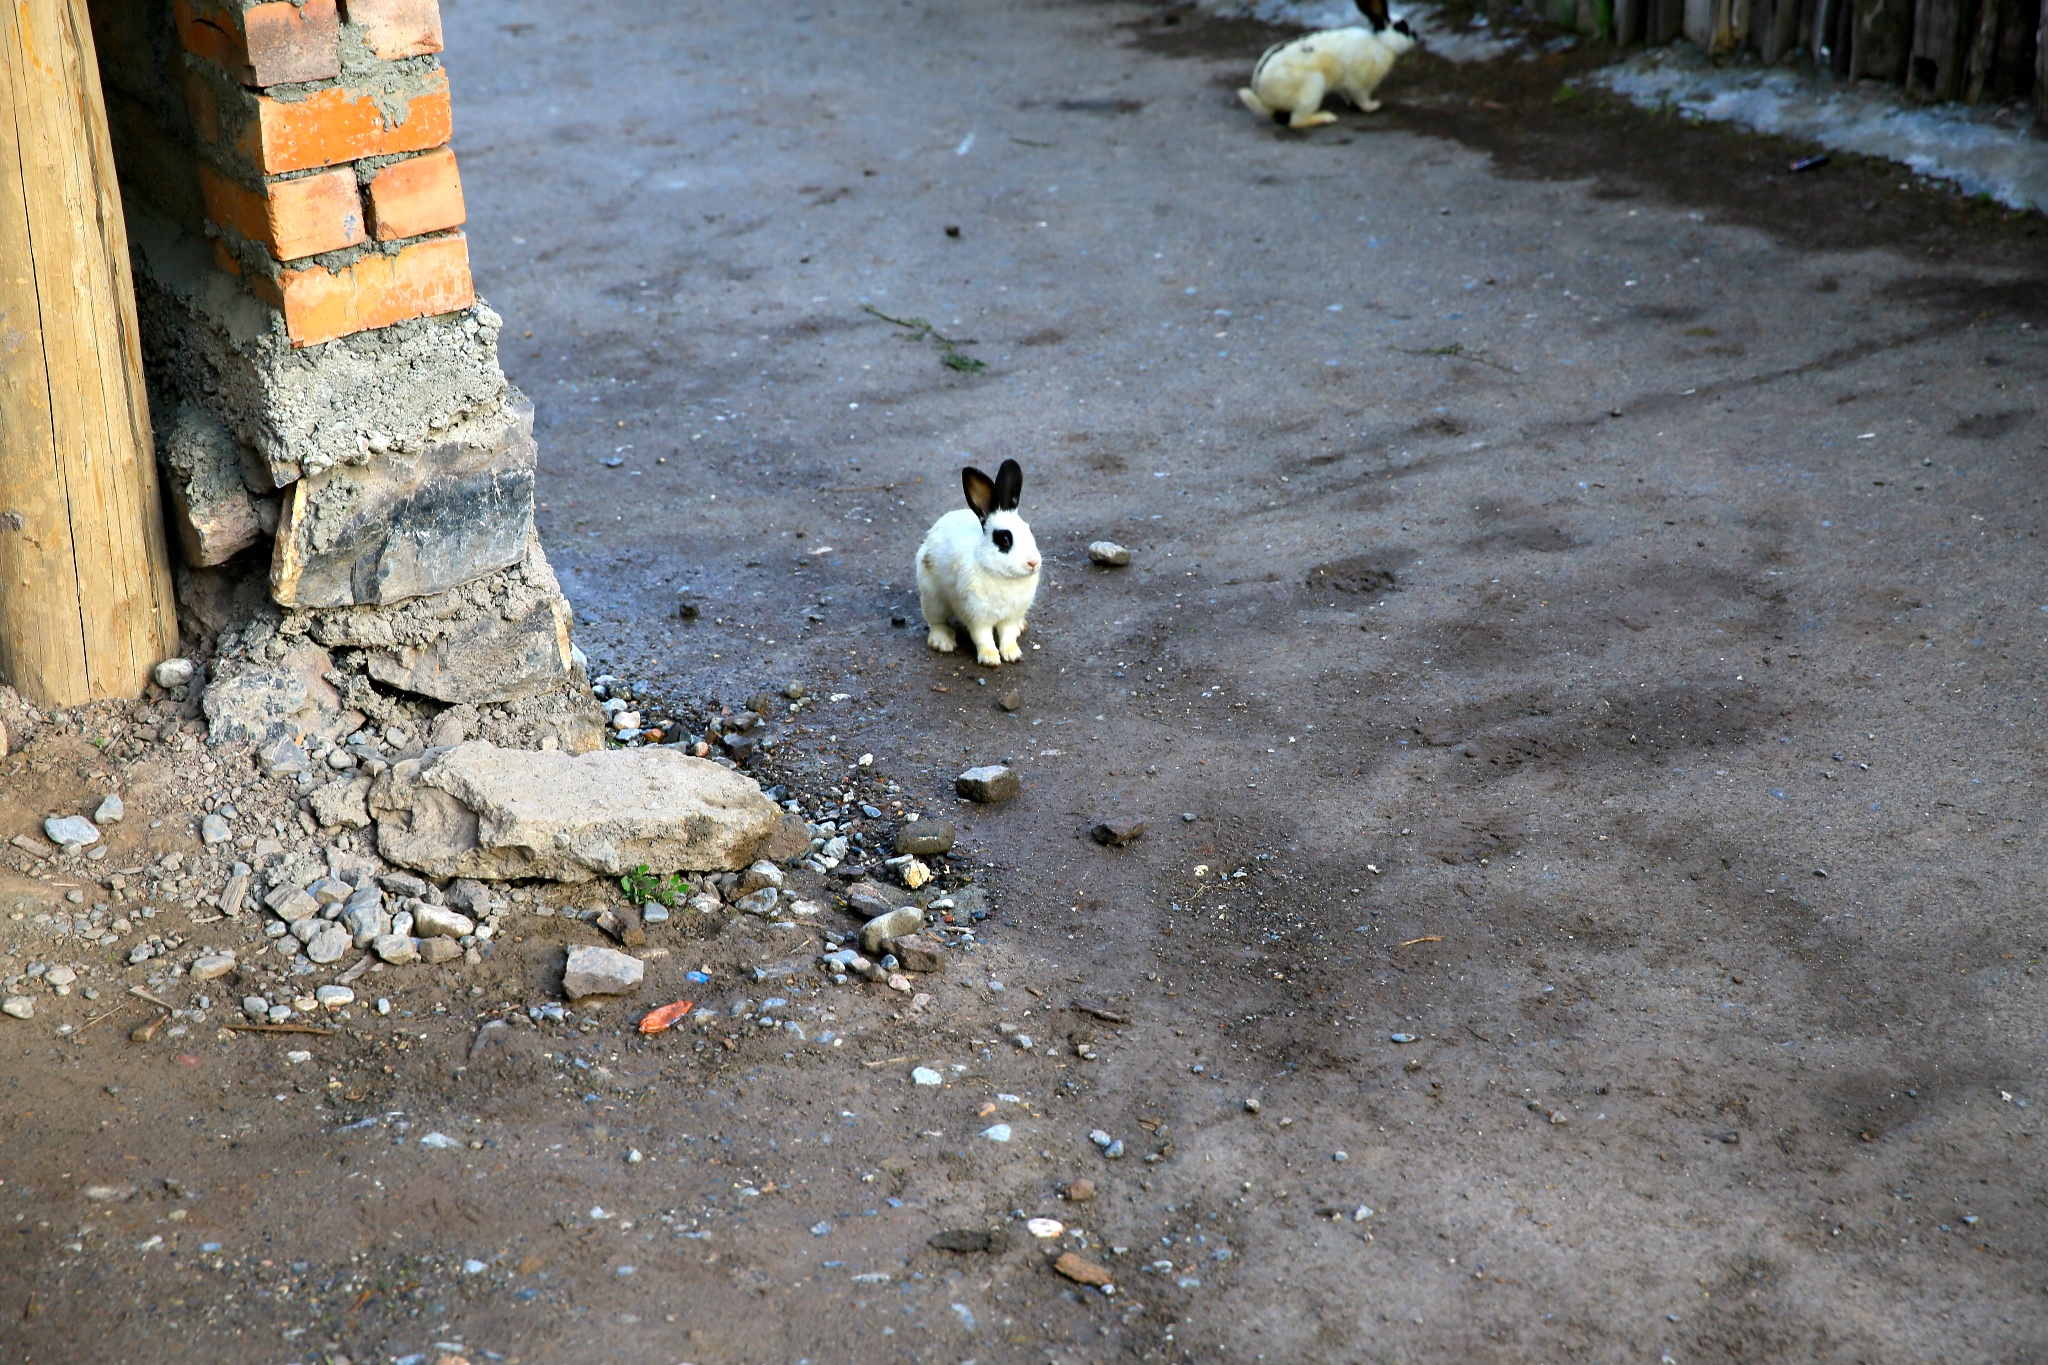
pixel 1579 670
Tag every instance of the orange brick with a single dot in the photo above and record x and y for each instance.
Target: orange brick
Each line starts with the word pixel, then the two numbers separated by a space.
pixel 398 28
pixel 339 124
pixel 266 44
pixel 418 281
pixel 416 196
pixel 294 218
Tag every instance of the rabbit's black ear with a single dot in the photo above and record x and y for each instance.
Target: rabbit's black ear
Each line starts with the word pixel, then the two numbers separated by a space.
pixel 1009 485
pixel 1375 12
pixel 981 491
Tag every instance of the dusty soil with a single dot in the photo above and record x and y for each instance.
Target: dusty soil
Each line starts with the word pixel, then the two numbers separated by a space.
pixel 1586 591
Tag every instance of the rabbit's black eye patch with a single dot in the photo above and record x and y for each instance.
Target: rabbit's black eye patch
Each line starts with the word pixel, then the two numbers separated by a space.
pixel 1004 540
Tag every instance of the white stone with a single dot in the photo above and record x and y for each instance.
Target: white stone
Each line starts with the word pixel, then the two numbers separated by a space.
pixel 18 1007
pixel 600 971
pixel 334 997
pixel 111 810
pixel 438 921
pixel 331 944
pixel 212 966
pixel 70 829
pixel 60 977
pixel 175 673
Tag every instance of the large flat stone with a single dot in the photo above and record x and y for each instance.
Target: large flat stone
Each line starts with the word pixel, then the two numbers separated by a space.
pixel 410 523
pixel 475 810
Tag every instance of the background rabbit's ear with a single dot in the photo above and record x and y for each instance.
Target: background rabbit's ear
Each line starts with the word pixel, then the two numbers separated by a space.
pixel 1375 12
pixel 1009 485
pixel 981 491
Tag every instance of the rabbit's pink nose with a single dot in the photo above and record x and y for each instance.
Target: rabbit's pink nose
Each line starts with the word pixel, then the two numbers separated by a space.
pixel 1031 565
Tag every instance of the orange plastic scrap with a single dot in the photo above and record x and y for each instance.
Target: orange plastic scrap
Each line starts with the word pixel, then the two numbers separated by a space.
pixel 665 1017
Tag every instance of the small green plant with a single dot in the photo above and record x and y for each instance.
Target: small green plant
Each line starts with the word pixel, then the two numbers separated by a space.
pixel 642 886
pixel 917 329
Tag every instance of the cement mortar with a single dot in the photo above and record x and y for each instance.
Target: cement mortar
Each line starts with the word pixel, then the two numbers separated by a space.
pixel 304 410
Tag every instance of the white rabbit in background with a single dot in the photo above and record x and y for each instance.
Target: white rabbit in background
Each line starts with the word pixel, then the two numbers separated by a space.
pixel 1293 78
pixel 979 566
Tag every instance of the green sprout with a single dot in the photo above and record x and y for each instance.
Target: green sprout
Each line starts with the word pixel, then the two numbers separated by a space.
pixel 642 886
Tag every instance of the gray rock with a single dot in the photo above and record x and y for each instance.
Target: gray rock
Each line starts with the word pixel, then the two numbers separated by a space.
pixel 402 884
pixel 396 949
pixel 988 785
pixel 439 950
pixel 334 997
pixel 70 829
pixel 970 903
pixel 1118 832
pixel 472 897
pixel 111 810
pixel 213 829
pixel 438 921
pixel 479 811
pixel 330 891
pixel 365 921
pixel 211 966
pixel 600 971
pixel 762 874
pixel 175 673
pixel 926 838
pixel 255 1008
pixel 284 756
pixel 762 902
pixel 1109 553
pixel 401 923
pixel 898 923
pixel 291 903
pixel 869 899
pixel 304 929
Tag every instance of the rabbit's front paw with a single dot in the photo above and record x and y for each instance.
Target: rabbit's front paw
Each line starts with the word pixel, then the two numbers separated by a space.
pixel 1311 120
pixel 941 639
pixel 1012 651
pixel 987 657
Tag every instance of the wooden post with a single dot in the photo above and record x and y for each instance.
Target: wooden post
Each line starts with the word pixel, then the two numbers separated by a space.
pixel 85 582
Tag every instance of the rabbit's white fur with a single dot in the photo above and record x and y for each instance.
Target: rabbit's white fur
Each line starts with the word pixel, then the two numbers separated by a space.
pixel 1294 78
pixel 964 575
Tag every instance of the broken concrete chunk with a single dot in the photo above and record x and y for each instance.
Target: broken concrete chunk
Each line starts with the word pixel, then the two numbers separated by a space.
pixel 914 953
pixel 211 507
pixel 988 784
pixel 479 811
pixel 600 971
pixel 472 897
pixel 342 803
pixel 286 701
pixel 411 523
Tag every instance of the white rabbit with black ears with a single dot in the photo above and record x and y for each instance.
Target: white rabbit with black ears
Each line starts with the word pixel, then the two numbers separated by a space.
pixel 979 566
pixel 1292 80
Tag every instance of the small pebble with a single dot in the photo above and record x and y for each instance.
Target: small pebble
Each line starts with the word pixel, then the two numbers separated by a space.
pixel 110 810
pixel 1109 553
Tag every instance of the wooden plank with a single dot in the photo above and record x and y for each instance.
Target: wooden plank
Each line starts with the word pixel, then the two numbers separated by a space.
pixel 2041 70
pixel 85 587
pixel 1884 29
pixel 1983 51
pixel 1934 71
